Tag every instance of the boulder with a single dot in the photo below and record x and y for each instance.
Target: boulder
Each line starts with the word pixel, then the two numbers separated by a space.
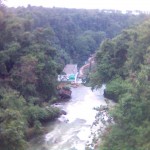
pixel 62 112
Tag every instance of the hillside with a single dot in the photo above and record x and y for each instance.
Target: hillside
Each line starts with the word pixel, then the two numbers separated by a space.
pixel 124 64
pixel 35 44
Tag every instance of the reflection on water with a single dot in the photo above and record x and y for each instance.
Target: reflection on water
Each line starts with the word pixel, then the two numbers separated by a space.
pixel 71 131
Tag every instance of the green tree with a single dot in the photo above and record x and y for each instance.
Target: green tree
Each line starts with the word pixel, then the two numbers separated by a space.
pixel 131 115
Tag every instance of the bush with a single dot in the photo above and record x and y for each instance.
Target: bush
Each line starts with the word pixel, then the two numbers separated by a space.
pixel 116 88
pixel 36 113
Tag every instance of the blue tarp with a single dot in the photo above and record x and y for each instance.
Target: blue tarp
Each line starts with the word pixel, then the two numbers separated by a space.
pixel 72 77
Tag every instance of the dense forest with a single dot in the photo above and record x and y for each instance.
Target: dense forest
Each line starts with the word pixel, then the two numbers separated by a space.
pixel 36 43
pixel 124 64
pixel 76 33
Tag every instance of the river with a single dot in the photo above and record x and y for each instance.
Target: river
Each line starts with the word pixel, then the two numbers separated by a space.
pixel 72 131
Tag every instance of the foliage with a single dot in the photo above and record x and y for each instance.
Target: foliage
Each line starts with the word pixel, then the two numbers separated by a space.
pixel 77 32
pixel 127 56
pixel 34 113
pixel 35 44
pixel 12 123
pixel 12 127
pixel 116 88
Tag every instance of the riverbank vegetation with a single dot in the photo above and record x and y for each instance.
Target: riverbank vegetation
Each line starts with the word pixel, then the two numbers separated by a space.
pixel 35 44
pixel 124 64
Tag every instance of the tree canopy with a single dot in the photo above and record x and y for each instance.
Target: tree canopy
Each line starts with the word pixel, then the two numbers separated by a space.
pixel 123 63
pixel 36 43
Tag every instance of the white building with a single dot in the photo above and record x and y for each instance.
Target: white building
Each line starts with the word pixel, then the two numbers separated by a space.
pixel 70 73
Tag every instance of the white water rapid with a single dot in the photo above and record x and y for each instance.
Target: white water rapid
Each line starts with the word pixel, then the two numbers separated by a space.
pixel 72 131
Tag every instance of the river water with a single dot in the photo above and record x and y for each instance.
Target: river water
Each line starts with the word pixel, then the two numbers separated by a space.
pixel 72 131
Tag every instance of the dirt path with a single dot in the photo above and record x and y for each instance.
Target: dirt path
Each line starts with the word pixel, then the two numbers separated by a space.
pixel 86 66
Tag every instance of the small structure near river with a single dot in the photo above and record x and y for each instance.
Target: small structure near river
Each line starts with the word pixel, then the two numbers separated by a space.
pixel 70 73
